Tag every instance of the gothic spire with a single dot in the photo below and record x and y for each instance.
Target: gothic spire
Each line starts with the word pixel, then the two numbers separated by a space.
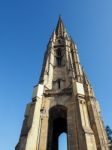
pixel 63 101
pixel 60 29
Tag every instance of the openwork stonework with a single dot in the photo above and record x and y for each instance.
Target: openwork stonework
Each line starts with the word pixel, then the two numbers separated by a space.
pixel 63 101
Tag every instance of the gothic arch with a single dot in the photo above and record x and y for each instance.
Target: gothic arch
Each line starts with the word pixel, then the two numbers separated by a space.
pixel 57 125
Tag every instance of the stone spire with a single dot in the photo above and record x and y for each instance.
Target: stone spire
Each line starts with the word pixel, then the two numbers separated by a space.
pixel 60 29
pixel 63 101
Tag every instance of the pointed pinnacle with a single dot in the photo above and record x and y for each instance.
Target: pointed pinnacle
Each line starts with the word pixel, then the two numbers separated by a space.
pixel 60 26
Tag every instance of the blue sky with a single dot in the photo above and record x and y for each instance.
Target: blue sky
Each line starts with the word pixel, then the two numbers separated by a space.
pixel 25 28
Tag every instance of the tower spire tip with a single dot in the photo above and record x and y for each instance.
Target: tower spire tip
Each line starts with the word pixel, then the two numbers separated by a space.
pixel 60 26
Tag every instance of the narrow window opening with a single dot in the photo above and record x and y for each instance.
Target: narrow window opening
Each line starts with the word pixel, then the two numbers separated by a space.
pixel 58 52
pixel 59 84
pixel 62 140
pixel 58 61
pixel 59 57
pixel 59 41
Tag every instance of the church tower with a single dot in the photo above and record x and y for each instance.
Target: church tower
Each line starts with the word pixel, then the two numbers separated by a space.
pixel 63 101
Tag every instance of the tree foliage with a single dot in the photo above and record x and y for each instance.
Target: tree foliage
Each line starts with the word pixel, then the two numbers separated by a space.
pixel 109 134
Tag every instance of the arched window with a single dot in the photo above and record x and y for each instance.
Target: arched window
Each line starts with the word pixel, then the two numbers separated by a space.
pixel 59 57
pixel 57 129
pixel 62 140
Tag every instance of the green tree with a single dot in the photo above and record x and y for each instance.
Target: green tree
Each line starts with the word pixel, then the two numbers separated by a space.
pixel 109 134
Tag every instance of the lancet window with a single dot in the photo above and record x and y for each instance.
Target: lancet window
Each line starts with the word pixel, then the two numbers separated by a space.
pixel 59 57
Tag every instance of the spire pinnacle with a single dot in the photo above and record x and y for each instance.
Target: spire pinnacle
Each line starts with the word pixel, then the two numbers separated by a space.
pixel 60 26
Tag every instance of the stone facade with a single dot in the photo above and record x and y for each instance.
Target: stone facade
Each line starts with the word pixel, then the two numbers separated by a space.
pixel 63 101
